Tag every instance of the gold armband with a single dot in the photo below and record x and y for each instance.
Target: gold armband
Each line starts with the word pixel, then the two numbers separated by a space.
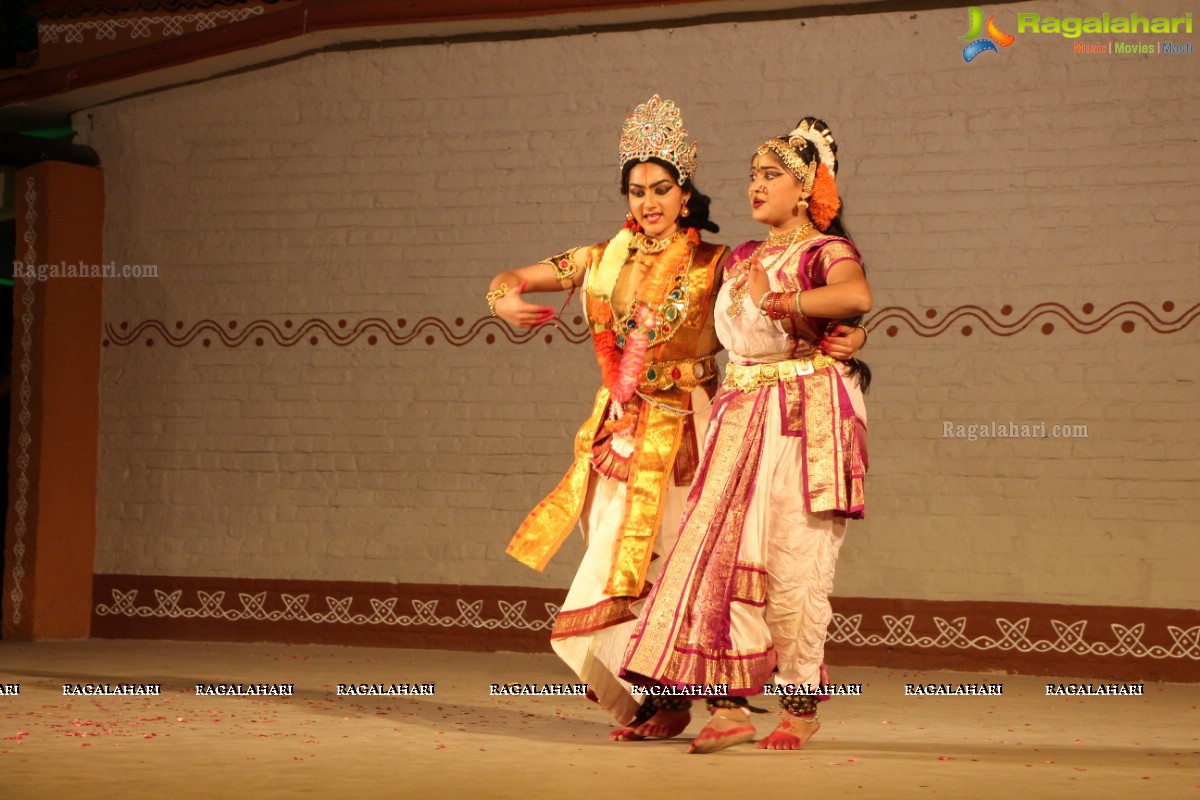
pixel 564 265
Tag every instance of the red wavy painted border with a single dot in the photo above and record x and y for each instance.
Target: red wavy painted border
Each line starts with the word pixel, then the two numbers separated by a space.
pixel 400 333
pixel 1126 312
pixel 340 333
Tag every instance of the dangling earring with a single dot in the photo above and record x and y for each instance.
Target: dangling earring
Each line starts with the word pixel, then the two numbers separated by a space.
pixel 802 205
pixel 629 216
pixel 684 212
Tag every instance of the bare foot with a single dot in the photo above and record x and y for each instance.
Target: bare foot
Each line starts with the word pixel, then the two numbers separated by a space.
pixel 722 731
pixel 792 734
pixel 625 735
pixel 664 724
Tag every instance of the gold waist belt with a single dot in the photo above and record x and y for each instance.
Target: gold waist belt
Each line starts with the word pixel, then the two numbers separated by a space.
pixel 685 374
pixel 755 376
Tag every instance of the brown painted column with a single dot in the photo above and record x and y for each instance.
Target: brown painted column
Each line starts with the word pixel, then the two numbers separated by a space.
pixel 50 537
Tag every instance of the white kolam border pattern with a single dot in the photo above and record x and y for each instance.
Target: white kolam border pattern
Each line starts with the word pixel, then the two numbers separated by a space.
pixel 144 27
pixel 296 609
pixel 1013 635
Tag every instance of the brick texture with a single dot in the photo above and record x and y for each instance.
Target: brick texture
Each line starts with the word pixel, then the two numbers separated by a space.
pixel 394 182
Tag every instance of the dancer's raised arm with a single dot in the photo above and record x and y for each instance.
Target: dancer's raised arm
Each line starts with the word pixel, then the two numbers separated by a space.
pixel 506 292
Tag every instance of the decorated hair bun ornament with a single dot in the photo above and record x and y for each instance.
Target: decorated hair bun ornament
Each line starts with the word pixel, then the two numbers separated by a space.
pixel 817 133
pixel 655 130
pixel 823 201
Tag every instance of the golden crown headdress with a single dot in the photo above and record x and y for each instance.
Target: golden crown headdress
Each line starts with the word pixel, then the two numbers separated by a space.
pixel 655 130
pixel 784 148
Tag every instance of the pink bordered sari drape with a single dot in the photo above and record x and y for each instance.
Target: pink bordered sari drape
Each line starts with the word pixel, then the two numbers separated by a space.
pixel 743 597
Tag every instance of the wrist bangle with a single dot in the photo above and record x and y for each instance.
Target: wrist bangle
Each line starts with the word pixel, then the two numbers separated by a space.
pixel 762 300
pixel 864 330
pixel 777 306
pixel 799 308
pixel 495 295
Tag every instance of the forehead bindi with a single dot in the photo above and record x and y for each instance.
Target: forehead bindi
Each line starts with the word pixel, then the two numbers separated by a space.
pixel 766 161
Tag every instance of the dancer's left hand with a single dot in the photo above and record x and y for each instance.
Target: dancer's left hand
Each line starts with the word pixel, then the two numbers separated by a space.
pixel 843 342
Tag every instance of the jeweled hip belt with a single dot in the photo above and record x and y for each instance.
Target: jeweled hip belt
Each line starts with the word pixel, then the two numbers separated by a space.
pixel 685 374
pixel 747 378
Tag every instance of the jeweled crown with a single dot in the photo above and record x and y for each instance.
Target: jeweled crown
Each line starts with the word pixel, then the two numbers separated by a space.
pixel 655 130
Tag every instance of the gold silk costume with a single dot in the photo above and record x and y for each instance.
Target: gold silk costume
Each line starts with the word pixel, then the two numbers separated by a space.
pixel 648 303
pixel 679 359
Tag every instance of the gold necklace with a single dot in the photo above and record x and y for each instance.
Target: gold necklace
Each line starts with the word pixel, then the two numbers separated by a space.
pixel 741 287
pixel 650 246
pixel 787 237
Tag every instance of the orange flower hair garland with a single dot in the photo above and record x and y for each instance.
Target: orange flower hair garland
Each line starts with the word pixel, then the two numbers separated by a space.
pixel 824 203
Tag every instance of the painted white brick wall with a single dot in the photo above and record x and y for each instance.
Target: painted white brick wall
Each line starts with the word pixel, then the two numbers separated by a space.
pixel 394 182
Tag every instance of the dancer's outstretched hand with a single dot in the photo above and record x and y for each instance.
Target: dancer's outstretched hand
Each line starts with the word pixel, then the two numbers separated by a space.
pixel 513 309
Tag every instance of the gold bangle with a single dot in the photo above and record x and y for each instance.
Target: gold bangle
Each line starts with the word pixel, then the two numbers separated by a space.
pixel 495 295
pixel 799 309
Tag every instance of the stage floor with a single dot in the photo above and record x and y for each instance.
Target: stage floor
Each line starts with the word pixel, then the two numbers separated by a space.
pixel 462 740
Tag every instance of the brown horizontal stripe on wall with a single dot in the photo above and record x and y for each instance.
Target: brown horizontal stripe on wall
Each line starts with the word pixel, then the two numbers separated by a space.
pixel 291 20
pixel 1106 643
pixel 442 616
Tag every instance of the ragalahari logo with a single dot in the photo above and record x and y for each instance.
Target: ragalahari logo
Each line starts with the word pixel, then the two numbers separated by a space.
pixel 978 44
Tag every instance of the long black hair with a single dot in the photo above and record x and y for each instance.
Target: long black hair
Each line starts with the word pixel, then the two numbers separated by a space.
pixel 697 205
pixel 858 367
